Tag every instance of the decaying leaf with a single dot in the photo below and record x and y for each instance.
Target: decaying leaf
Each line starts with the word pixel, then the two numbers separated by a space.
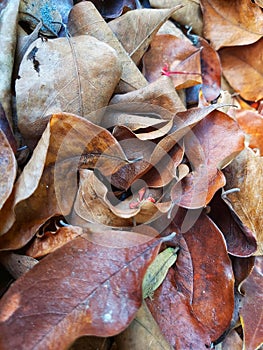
pixel 74 90
pixel 189 15
pixel 245 174
pixel 85 19
pixel 41 190
pixel 231 23
pixel 251 310
pixel 242 66
pixel 140 27
pixel 157 271
pixel 142 333
pixel 69 287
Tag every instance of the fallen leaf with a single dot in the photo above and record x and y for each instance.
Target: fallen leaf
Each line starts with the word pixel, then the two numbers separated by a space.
pixel 142 333
pixel 140 27
pixel 17 264
pixel 8 169
pixel 68 288
pixel 242 269
pixel 207 155
pixel 252 124
pixel 41 190
pixel 239 242
pixel 197 296
pixel 157 271
pixel 189 15
pixel 85 19
pixel 231 23
pixel 91 343
pixel 178 55
pixel 6 129
pixel 50 241
pixel 232 341
pixel 251 310
pixel 74 90
pixel 245 173
pixel 159 94
pixel 8 27
pixel 241 66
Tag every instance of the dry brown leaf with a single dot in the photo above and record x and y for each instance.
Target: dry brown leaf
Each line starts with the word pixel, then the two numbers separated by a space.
pixel 243 69
pixel 160 93
pixel 176 55
pixel 136 29
pixel 246 173
pixel 85 19
pixel 230 23
pixel 86 85
pixel 232 341
pixel 7 169
pixel 41 190
pixel 8 27
pixel 142 333
pixel 17 264
pixel 189 15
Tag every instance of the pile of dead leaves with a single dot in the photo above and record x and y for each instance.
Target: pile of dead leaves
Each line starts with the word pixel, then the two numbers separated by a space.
pixel 131 169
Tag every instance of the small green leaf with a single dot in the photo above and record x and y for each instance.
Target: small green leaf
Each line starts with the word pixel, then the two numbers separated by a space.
pixel 157 271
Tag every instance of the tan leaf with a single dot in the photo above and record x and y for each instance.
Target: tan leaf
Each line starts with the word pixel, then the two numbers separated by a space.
pixel 74 90
pixel 136 29
pixel 189 15
pixel 7 169
pixel 231 23
pixel 8 27
pixel 243 65
pixel 142 333
pixel 85 19
pixel 246 173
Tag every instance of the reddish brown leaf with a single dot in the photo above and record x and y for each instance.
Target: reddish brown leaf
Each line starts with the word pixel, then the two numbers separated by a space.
pixel 242 269
pixel 64 297
pixel 194 304
pixel 231 23
pixel 252 124
pixel 232 341
pixel 7 169
pixel 251 310
pixel 242 66
pixel 210 146
pixel 177 55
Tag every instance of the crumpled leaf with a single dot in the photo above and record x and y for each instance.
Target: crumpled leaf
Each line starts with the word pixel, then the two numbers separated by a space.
pixel 175 54
pixel 85 19
pixel 51 240
pixel 8 27
pixel 246 174
pixel 69 287
pixel 251 310
pixel 41 190
pixel 209 147
pixel 136 29
pixel 142 333
pixel 231 23
pixel 189 15
pixel 8 169
pixel 74 90
pixel 252 124
pixel 243 65
pixel 239 242
pixel 157 271
pixel 188 306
